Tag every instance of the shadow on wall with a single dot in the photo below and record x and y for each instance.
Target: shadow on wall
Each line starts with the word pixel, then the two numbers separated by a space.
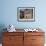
pixel 2 26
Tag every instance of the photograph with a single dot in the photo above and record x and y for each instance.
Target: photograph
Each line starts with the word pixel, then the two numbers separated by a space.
pixel 26 14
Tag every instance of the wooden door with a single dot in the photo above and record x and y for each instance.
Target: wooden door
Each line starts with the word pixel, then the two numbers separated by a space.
pixel 34 39
pixel 13 40
pixel 37 40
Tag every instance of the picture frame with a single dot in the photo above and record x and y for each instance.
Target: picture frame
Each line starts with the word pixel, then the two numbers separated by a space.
pixel 26 14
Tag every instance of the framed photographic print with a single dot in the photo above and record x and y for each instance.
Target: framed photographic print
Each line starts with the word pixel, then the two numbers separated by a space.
pixel 25 14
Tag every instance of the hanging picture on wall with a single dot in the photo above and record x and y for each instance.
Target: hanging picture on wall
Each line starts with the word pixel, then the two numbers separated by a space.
pixel 25 14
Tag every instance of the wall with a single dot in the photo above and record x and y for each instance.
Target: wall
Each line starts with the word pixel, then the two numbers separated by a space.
pixel 9 13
